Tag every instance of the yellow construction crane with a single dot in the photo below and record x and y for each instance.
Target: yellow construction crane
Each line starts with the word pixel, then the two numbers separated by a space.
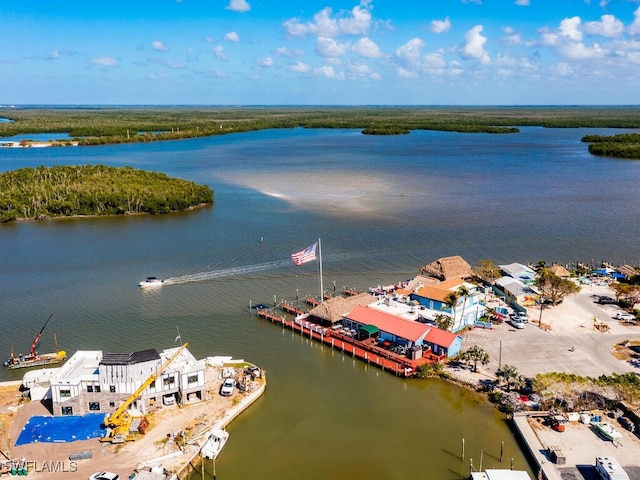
pixel 119 422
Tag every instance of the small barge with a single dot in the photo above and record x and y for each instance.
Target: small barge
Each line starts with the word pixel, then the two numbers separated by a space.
pixel 35 359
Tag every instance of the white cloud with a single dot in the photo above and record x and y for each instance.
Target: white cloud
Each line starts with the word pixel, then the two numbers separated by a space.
pixel 159 45
pixel 358 69
pixel 579 51
pixel 104 61
pixel 216 73
pixel 327 71
pixel 634 28
pixel 232 37
pixel 409 53
pixel 563 69
pixel 287 52
pixel 474 46
pixel 239 6
pixel 156 76
pixel 514 38
pixel 299 67
pixel 323 24
pixel 404 73
pixel 357 23
pixel 608 26
pixel 177 65
pixel 523 3
pixel 219 53
pixel 365 47
pixel 440 26
pixel 328 47
pixel 570 29
pixel 266 62
pixel 53 55
pixel 434 61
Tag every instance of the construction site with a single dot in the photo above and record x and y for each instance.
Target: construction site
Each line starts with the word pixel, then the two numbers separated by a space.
pixel 158 412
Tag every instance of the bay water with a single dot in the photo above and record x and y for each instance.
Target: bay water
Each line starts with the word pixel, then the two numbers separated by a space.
pixel 383 206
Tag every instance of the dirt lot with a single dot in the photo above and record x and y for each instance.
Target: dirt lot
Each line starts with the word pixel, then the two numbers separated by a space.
pixel 51 460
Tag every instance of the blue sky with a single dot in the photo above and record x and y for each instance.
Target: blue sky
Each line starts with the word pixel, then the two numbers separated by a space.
pixel 326 52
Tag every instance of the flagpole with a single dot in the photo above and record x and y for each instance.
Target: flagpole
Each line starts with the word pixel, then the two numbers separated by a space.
pixel 321 284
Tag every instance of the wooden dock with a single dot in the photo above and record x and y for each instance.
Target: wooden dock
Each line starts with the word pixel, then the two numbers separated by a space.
pixel 365 351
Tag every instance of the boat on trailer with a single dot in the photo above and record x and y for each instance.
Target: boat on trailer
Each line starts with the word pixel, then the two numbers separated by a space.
pixel 608 431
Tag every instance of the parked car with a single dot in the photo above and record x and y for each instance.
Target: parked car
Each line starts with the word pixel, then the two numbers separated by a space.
pixel 624 316
pixel 104 476
pixel 517 323
pixel 227 387
pixel 520 317
pixel 606 300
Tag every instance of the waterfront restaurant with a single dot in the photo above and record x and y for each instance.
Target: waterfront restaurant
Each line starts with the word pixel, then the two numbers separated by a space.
pixel 467 309
pixel 384 327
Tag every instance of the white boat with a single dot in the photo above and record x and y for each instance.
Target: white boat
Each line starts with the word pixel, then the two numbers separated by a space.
pixel 151 282
pixel 608 431
pixel 609 469
pixel 212 447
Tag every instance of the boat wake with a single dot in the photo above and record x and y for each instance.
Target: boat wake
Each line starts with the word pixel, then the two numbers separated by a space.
pixel 226 272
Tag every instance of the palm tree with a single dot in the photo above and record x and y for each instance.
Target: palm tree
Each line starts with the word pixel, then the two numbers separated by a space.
pixel 510 375
pixel 475 354
pixel 451 300
pixel 463 292
pixel 443 322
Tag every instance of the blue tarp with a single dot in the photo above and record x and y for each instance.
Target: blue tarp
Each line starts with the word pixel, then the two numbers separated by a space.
pixel 61 429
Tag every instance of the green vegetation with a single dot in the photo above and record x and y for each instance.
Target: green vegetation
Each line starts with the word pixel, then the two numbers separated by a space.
pixel 575 392
pixel 475 354
pixel 38 193
pixel 106 125
pixel 552 287
pixel 625 145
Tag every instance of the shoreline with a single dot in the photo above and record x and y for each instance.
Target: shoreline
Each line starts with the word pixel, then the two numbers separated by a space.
pixel 149 450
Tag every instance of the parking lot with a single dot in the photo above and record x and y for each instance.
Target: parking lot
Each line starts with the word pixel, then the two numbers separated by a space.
pixel 571 344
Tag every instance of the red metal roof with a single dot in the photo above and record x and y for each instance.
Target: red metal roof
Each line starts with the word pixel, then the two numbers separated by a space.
pixel 386 322
pixel 442 338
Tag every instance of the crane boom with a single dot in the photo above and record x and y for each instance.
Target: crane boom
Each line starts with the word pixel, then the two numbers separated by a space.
pixel 34 344
pixel 119 421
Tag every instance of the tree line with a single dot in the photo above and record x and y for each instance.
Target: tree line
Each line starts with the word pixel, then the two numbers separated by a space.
pixel 103 125
pixel 625 145
pixel 45 192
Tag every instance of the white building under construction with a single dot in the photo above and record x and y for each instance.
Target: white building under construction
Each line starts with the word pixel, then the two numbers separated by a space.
pixel 92 382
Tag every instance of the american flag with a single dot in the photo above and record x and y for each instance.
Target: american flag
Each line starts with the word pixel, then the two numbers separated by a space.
pixel 305 256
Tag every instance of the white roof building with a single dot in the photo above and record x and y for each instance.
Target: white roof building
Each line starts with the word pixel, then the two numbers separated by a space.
pixel 519 272
pixel 91 381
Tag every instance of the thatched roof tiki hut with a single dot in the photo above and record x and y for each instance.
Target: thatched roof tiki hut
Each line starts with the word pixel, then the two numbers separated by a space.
pixel 448 267
pixel 332 310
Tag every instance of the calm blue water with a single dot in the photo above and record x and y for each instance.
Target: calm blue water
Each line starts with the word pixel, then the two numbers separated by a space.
pixel 36 137
pixel 383 207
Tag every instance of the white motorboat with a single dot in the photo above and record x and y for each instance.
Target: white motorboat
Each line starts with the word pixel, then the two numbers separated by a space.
pixel 608 431
pixel 151 282
pixel 215 441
